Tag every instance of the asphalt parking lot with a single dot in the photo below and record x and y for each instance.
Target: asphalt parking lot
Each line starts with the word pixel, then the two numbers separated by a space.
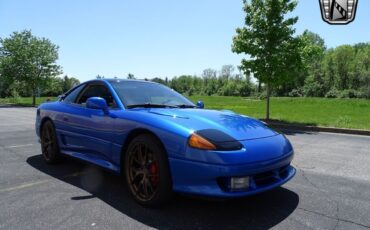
pixel 330 191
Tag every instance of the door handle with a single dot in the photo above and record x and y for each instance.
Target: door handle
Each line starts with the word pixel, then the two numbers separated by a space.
pixel 65 118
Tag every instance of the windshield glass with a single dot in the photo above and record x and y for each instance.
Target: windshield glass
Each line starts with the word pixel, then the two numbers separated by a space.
pixel 143 93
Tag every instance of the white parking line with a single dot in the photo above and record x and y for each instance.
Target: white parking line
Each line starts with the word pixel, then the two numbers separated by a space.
pixel 22 186
pixel 18 146
pixel 27 185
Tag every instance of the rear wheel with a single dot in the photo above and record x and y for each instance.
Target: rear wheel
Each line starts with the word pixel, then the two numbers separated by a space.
pixel 49 143
pixel 146 170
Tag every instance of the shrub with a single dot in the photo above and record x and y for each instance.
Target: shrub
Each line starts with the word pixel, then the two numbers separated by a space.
pixel 348 93
pixel 364 93
pixel 236 88
pixel 296 93
pixel 15 96
pixel 333 93
pixel 313 89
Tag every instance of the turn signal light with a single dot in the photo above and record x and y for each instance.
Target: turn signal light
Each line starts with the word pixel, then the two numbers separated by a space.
pixel 199 142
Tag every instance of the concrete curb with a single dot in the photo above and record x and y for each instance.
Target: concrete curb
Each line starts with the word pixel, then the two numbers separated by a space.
pixel 281 125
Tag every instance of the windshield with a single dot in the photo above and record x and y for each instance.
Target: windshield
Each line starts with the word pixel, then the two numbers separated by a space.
pixel 148 94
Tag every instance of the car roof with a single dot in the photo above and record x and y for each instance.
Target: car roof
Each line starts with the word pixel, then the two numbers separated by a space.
pixel 128 80
pixel 111 80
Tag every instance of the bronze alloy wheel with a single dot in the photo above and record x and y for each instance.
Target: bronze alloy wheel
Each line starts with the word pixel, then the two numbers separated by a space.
pixel 143 172
pixel 49 144
pixel 146 169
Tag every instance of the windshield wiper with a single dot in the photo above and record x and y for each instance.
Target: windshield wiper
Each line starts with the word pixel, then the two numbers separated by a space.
pixel 150 105
pixel 185 106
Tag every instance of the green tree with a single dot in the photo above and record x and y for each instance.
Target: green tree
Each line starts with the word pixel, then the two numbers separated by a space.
pixel 69 82
pixel 54 88
pixel 312 53
pixel 267 38
pixel 210 81
pixel 130 76
pixel 362 70
pixel 226 73
pixel 158 80
pixel 328 69
pixel 182 84
pixel 29 59
pixel 344 57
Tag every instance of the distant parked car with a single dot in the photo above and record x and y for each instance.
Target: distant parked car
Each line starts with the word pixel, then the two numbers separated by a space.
pixel 163 143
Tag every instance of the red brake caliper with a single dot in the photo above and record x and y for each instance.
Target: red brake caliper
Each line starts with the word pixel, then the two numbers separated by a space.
pixel 153 168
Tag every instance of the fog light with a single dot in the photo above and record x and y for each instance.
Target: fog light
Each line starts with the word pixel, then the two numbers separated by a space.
pixel 239 183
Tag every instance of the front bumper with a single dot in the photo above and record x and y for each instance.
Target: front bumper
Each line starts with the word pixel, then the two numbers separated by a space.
pixel 203 179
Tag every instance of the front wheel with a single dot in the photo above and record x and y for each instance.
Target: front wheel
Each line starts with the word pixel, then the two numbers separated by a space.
pixel 49 143
pixel 146 170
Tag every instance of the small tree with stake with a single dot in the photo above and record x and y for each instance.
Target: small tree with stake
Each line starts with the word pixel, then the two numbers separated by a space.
pixel 267 38
pixel 29 59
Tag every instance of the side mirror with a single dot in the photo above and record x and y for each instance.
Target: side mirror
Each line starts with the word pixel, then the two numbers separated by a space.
pixel 61 97
pixel 97 103
pixel 200 104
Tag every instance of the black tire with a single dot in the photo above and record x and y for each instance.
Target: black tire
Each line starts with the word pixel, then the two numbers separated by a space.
pixel 49 143
pixel 147 173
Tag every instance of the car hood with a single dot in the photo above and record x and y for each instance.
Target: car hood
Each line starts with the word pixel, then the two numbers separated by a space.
pixel 238 126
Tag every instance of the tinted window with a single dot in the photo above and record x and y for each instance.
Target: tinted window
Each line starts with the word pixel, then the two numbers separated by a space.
pixel 97 91
pixel 139 92
pixel 71 97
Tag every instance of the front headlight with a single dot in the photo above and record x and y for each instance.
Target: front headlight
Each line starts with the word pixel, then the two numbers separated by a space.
pixel 199 142
pixel 213 139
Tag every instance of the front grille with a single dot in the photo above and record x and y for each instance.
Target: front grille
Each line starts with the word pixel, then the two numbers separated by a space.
pixel 264 179
pixel 270 177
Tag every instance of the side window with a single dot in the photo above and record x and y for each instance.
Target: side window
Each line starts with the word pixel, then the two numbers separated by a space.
pixel 71 97
pixel 97 91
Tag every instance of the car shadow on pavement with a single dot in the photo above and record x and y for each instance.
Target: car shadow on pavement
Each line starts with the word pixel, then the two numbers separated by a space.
pixel 257 212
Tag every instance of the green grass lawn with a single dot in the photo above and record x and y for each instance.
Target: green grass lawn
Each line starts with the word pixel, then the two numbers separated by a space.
pixel 341 113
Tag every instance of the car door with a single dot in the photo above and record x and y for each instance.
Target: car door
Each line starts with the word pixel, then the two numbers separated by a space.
pixel 89 131
pixel 63 127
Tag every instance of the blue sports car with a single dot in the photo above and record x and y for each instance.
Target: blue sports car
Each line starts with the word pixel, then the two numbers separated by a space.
pixel 163 143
